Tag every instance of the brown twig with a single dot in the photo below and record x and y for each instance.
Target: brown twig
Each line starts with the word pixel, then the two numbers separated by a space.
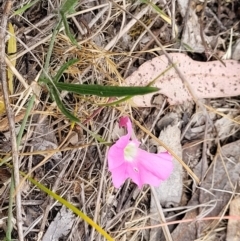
pixel 10 116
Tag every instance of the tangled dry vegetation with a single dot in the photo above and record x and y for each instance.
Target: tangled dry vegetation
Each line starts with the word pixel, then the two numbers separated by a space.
pixel 115 38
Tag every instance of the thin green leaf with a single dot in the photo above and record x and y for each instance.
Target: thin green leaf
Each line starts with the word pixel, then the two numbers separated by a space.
pixel 25 7
pixel 161 74
pixel 67 30
pixel 161 13
pixel 63 68
pixel 71 207
pixel 61 106
pixel 68 6
pixel 24 121
pixel 10 211
pixel 105 91
pixel 50 48
pixel 116 102
pixel 69 115
pixel 156 8
pixel 186 46
pixel 43 80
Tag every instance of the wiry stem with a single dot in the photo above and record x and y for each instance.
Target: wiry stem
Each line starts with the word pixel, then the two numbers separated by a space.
pixel 10 115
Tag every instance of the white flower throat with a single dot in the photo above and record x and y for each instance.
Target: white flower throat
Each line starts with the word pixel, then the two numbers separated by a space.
pixel 130 151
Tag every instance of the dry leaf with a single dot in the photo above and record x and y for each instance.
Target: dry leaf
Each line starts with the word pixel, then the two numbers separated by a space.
pixel 61 226
pixel 169 196
pixel 216 191
pixel 236 50
pixel 4 126
pixel 73 138
pixel 169 192
pixel 207 79
pixel 226 127
pixel 45 139
pixel 220 180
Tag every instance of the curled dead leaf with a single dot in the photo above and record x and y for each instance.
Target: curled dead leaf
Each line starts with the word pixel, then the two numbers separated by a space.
pixel 207 79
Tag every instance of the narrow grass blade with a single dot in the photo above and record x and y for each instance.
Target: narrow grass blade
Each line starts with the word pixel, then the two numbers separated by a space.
pixel 71 207
pixel 25 7
pixel 24 121
pixel 61 106
pixel 105 91
pixel 68 6
pixel 10 211
pixel 69 115
pixel 117 102
pixel 161 13
pixel 67 30
pixel 63 68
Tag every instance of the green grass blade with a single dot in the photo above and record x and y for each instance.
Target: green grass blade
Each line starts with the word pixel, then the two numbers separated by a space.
pixel 161 13
pixel 61 106
pixel 12 189
pixel 63 68
pixel 10 211
pixel 68 6
pixel 105 91
pixel 67 30
pixel 161 74
pixel 69 115
pixel 50 49
pixel 117 102
pixel 43 80
pixel 25 7
pixel 156 8
pixel 24 121
pixel 71 207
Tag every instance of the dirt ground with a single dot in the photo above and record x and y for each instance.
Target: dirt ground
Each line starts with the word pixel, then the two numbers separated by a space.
pixel 191 49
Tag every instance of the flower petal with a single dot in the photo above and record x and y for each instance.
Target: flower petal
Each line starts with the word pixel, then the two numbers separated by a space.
pixel 115 157
pixel 154 168
pixel 142 167
pixel 122 142
pixel 116 152
pixel 133 171
pixel 119 175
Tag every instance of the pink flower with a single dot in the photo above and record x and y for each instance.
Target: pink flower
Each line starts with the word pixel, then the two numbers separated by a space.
pixel 127 160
